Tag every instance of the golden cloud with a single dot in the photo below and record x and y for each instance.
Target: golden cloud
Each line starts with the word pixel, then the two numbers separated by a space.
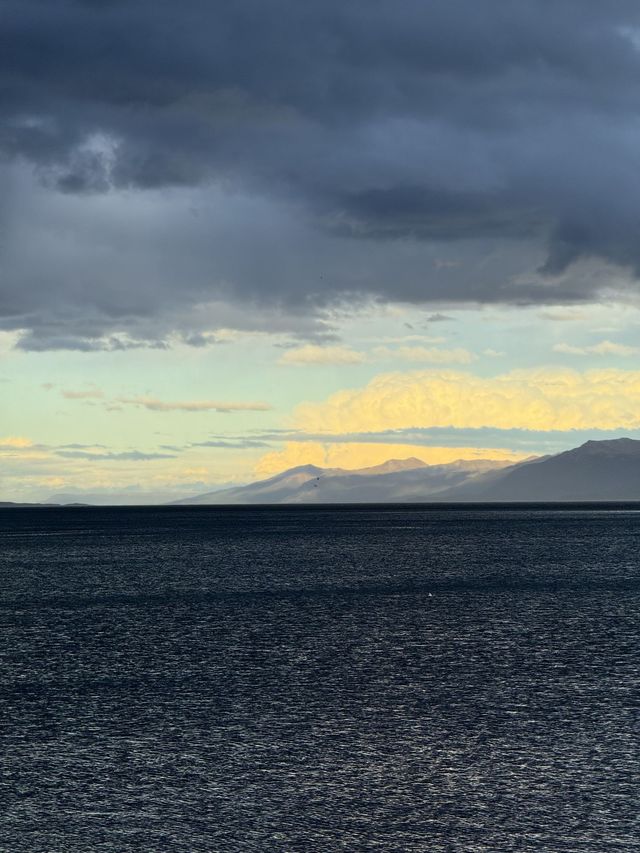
pixel 603 348
pixel 15 442
pixel 540 399
pixel 351 455
pixel 428 355
pixel 314 354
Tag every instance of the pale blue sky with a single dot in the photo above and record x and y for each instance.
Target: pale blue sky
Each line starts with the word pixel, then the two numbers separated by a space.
pixel 230 232
pixel 118 408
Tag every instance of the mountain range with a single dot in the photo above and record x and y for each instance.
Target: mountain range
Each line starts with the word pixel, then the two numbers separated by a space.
pixel 596 471
pixel 398 480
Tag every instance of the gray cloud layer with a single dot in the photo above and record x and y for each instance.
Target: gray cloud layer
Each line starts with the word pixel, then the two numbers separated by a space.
pixel 280 156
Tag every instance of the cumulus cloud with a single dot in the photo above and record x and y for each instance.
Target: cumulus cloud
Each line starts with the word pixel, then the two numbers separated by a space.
pixel 428 355
pixel 83 394
pixel 14 442
pixel 155 405
pixel 438 153
pixel 603 348
pixel 22 449
pixel 329 355
pixel 546 399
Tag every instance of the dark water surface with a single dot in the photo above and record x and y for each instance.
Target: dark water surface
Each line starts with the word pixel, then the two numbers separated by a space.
pixel 320 679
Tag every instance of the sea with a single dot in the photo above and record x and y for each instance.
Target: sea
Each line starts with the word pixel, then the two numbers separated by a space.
pixel 354 678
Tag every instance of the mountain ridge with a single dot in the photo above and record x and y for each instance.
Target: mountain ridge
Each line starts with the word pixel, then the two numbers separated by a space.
pixel 396 481
pixel 605 470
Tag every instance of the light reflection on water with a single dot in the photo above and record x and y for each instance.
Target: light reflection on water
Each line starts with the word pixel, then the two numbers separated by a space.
pixel 292 679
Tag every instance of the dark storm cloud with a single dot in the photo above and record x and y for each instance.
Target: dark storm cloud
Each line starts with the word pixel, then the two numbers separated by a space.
pixel 373 137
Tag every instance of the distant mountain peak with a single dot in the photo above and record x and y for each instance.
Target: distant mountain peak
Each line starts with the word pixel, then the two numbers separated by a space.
pixel 609 445
pixel 301 469
pixel 392 465
pixel 604 470
pixel 396 480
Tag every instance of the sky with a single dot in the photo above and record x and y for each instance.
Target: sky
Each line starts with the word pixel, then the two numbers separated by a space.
pixel 241 236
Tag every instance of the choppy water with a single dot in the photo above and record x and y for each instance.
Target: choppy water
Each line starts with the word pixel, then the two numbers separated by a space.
pixel 316 679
